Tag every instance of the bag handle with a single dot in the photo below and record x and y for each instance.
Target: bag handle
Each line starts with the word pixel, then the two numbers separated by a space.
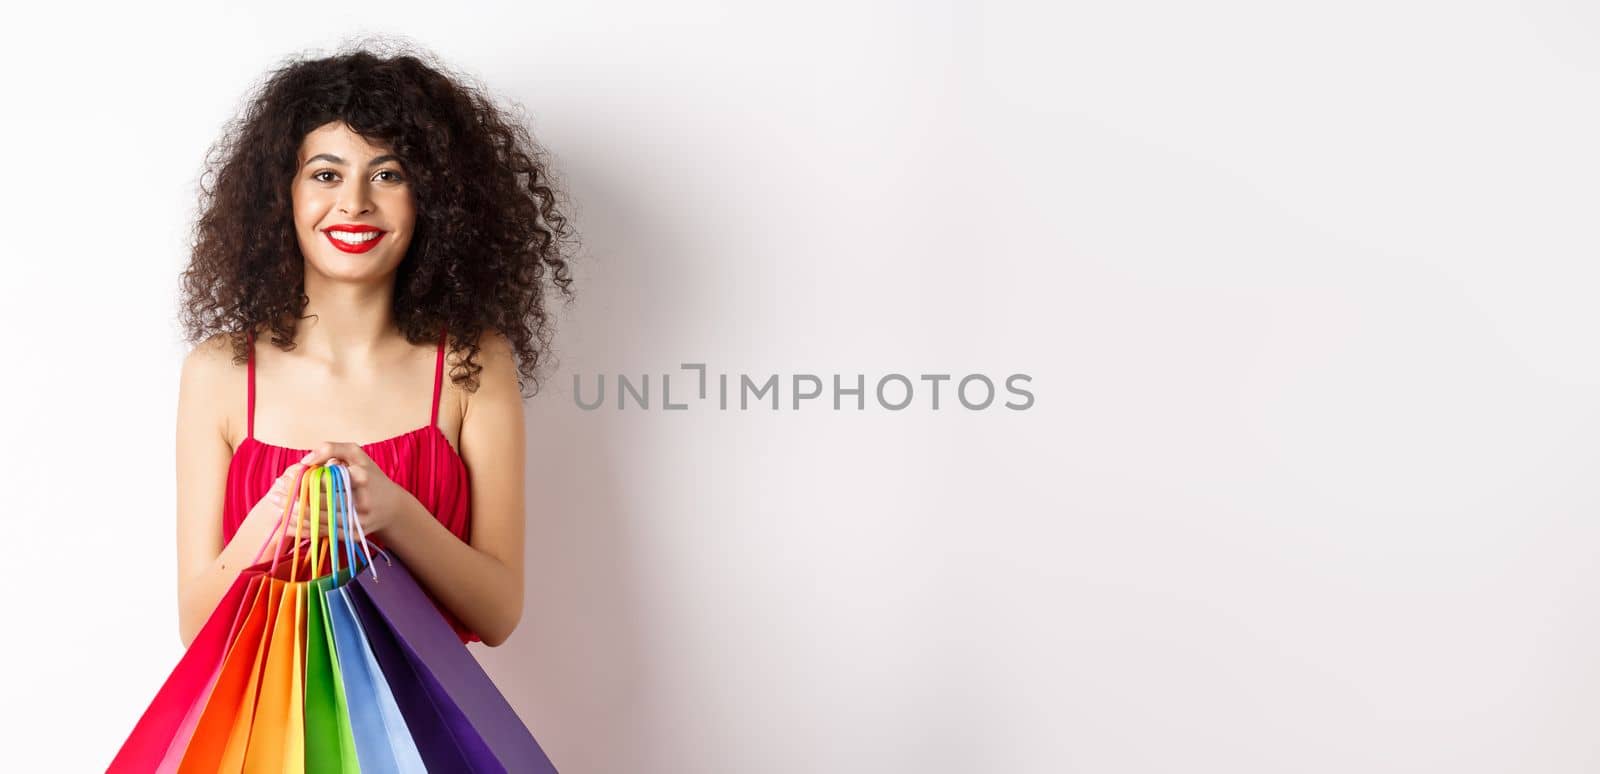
pixel 275 536
pixel 351 520
pixel 315 512
pixel 319 547
pixel 341 514
pixel 320 477
pixel 333 542
pixel 308 485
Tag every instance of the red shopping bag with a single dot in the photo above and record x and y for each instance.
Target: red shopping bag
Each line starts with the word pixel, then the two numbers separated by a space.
pixel 172 720
pixel 159 727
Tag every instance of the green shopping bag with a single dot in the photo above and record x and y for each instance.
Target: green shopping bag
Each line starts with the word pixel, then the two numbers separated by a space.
pixel 330 746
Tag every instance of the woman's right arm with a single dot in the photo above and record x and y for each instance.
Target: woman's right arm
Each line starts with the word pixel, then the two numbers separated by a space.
pixel 206 567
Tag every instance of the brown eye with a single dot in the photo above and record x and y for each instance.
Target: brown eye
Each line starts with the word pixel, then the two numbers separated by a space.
pixel 318 176
pixel 394 176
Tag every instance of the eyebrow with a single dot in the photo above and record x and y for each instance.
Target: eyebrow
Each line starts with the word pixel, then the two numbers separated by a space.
pixel 329 157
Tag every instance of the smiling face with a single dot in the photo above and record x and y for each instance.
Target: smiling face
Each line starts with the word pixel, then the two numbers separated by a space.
pixel 353 208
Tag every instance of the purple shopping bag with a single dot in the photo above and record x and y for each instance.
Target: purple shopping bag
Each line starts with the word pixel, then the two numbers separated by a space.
pixel 459 719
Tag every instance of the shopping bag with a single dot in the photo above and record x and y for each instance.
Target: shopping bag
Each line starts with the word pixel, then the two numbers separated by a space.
pixel 222 736
pixel 348 669
pixel 217 734
pixel 164 730
pixel 168 722
pixel 458 718
pixel 276 740
pixel 167 725
pixel 275 737
pixel 382 739
pixel 180 740
pixel 330 746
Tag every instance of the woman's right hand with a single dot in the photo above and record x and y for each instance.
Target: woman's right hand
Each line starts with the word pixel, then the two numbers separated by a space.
pixel 270 507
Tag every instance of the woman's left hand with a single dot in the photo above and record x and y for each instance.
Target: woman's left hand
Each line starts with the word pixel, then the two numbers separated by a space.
pixel 378 500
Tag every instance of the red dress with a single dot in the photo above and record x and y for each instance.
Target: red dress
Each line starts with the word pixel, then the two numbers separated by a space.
pixel 422 461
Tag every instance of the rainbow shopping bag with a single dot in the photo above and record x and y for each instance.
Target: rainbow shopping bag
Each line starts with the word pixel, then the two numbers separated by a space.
pixel 254 721
pixel 200 718
pixel 333 661
pixel 167 725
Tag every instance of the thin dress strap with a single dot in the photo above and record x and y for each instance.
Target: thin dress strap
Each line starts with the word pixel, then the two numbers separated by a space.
pixel 250 391
pixel 438 378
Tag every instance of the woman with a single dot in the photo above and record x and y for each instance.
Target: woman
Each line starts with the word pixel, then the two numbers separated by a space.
pixel 372 218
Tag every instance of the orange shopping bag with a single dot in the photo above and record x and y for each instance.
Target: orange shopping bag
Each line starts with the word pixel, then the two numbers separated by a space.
pixel 214 729
pixel 277 728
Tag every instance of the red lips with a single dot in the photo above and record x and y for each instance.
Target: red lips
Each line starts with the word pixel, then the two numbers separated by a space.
pixel 354 228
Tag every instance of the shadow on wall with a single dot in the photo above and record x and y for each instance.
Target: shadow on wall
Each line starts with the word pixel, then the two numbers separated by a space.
pixel 577 668
pixel 573 669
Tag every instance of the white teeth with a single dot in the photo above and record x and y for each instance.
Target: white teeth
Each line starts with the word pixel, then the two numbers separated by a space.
pixel 352 238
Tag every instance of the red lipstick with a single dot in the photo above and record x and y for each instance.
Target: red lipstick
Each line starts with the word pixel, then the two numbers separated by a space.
pixel 356 229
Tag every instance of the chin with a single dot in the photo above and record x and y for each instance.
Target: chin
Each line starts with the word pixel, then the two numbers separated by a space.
pixel 353 268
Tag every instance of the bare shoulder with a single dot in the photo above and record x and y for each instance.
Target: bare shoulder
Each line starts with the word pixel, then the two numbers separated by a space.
pixel 492 428
pixel 210 363
pixel 209 379
pixel 217 349
pixel 498 377
pixel 494 355
pixel 494 346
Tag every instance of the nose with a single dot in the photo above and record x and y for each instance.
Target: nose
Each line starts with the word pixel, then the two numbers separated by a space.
pixel 354 199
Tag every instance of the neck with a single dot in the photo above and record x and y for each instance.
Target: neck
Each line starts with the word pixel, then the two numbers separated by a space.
pixel 346 321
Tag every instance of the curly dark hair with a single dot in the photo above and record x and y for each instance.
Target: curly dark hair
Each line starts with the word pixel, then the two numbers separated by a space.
pixel 490 223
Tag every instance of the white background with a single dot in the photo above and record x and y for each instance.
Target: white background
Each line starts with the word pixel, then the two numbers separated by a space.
pixel 1307 292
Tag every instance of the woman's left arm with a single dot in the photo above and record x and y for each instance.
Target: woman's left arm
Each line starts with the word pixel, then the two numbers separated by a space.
pixel 480 581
